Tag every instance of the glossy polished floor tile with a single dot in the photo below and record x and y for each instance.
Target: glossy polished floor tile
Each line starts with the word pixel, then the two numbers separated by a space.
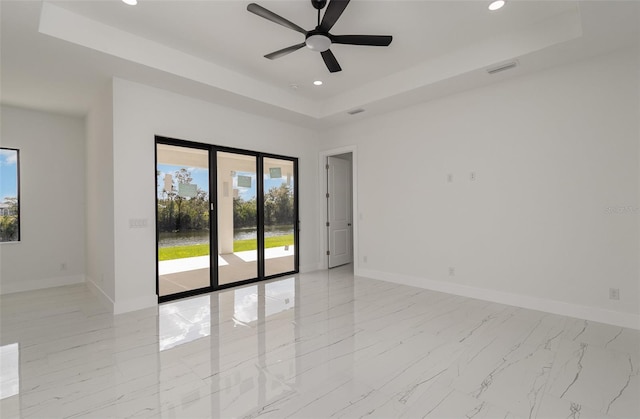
pixel 318 345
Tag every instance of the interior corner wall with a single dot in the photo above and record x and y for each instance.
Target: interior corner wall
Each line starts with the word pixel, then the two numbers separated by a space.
pixel 140 113
pixel 550 218
pixel 51 248
pixel 100 259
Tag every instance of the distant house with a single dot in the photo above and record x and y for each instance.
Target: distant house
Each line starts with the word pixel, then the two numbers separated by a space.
pixel 6 209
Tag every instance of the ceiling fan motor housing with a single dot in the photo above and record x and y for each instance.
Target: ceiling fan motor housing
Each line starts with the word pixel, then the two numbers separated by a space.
pixel 319 4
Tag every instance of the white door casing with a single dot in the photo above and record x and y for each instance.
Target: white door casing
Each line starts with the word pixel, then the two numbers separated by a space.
pixel 339 212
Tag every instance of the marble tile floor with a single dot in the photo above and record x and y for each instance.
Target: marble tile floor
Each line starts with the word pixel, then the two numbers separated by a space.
pixel 318 345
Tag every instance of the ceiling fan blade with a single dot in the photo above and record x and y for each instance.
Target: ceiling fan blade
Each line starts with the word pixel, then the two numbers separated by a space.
pixel 332 14
pixel 269 15
pixel 284 51
pixel 330 61
pixel 371 40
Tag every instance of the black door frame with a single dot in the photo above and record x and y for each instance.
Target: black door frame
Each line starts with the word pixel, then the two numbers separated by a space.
pixel 213 216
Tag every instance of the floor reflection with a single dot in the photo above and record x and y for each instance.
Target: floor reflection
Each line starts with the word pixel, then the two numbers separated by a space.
pixel 245 304
pixel 9 370
pixel 184 321
pixel 250 356
pixel 280 296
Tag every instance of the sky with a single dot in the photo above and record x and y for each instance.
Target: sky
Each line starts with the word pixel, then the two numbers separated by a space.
pixel 8 174
pixel 201 178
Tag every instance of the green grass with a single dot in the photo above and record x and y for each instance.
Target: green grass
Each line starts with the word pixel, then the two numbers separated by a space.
pixel 252 244
pixel 179 252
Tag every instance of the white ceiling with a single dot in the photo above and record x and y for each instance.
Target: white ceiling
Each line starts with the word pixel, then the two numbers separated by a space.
pixel 57 55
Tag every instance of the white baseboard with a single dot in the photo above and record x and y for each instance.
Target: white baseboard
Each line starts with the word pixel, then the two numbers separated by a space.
pixel 99 292
pixel 37 284
pixel 134 304
pixel 601 315
pixel 311 268
pixel 121 307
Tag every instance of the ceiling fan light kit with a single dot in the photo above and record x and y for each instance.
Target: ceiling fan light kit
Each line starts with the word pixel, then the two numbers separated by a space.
pixel 318 42
pixel 319 39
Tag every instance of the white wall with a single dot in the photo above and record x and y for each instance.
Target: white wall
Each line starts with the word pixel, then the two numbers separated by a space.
pixel 551 153
pixel 140 113
pixel 52 200
pixel 99 208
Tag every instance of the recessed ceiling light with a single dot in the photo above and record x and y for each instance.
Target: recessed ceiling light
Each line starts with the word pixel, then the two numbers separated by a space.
pixel 497 4
pixel 318 82
pixel 130 2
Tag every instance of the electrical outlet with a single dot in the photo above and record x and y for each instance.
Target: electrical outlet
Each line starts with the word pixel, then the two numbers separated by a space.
pixel 452 271
pixel 614 293
pixel 472 176
pixel 450 178
pixel 63 266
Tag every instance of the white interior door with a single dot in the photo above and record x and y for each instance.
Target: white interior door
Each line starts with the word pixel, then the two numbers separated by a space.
pixel 339 211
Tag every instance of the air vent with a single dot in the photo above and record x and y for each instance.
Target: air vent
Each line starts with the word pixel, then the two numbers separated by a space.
pixel 502 67
pixel 356 111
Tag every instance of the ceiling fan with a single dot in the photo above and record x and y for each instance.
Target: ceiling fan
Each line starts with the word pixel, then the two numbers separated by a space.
pixel 319 39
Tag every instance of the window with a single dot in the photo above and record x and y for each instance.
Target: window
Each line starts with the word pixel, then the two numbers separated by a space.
pixel 9 195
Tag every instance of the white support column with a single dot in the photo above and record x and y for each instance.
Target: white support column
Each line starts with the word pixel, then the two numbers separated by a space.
pixel 225 207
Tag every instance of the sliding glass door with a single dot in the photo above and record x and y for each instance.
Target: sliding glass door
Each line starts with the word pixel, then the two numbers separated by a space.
pixel 237 217
pixel 224 217
pixel 183 226
pixel 279 216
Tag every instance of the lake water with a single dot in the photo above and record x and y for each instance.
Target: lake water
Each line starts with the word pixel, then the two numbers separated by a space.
pixel 200 237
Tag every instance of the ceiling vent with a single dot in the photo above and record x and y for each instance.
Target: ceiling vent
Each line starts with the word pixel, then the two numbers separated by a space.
pixel 356 111
pixel 502 67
